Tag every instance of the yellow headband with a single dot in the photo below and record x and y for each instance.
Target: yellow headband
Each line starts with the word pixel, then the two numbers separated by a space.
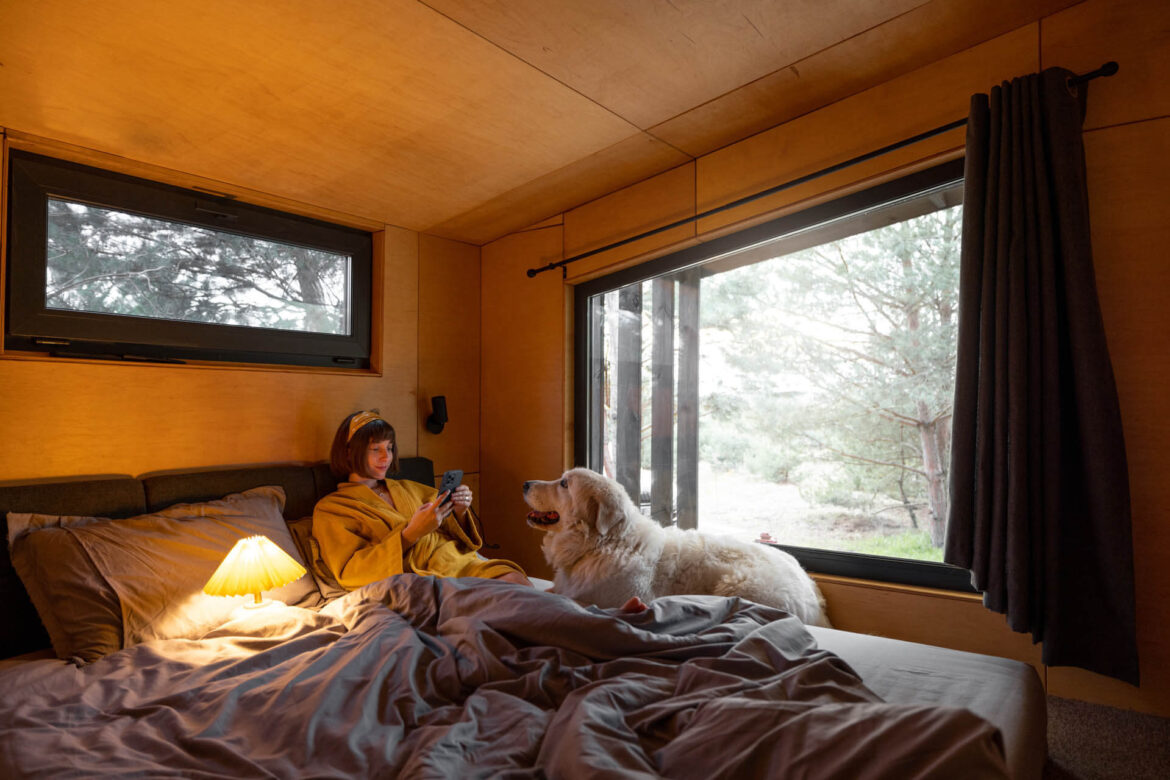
pixel 360 419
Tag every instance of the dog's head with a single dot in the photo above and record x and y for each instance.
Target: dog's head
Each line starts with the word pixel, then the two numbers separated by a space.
pixel 581 500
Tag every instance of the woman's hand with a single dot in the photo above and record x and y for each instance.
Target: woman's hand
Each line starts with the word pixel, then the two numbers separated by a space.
pixel 426 519
pixel 461 499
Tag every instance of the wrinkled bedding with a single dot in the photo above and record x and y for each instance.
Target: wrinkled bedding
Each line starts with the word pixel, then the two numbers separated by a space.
pixel 422 677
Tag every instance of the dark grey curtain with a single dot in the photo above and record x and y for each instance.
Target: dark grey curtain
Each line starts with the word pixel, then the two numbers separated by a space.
pixel 1040 509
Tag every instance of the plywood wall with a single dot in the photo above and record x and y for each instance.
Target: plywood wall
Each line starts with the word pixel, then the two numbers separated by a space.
pixel 1127 154
pixel 449 354
pixel 64 417
pixel 524 388
pixel 527 425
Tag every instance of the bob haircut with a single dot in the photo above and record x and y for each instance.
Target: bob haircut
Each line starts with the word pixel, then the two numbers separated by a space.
pixel 349 457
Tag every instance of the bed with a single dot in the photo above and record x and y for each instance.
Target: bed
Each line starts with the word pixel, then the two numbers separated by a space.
pixel 112 668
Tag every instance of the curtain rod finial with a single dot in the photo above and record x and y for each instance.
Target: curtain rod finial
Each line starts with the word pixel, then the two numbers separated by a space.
pixel 1108 69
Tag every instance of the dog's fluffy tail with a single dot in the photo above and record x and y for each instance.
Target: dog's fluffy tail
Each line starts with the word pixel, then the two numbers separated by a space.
pixel 823 616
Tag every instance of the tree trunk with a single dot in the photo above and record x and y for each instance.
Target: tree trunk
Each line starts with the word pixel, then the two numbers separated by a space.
pixel 932 445
pixel 906 502
pixel 313 294
pixel 936 475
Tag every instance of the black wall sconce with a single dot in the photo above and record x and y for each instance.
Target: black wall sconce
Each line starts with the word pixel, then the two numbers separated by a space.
pixel 438 416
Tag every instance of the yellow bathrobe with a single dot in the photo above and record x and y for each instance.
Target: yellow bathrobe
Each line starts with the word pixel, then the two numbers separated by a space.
pixel 360 537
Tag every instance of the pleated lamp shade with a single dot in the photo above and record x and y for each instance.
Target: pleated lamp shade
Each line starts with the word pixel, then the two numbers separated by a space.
pixel 253 565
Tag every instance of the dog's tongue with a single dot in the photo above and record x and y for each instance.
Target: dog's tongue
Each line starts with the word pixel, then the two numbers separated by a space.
pixel 543 517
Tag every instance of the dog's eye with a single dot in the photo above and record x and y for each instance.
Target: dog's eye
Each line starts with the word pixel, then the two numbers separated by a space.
pixel 564 483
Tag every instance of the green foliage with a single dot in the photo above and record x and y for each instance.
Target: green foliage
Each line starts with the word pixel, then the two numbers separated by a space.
pixel 909 544
pixel 112 262
pixel 831 483
pixel 840 356
pixel 773 463
pixel 725 447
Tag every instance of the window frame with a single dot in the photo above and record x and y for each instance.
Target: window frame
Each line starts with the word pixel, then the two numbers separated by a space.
pixel 29 326
pixel 825 561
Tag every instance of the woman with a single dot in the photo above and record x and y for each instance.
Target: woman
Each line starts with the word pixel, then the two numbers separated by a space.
pixel 372 527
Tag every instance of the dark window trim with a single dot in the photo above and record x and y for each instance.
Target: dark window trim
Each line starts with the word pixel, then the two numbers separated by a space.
pixel 833 562
pixel 30 326
pixel 904 571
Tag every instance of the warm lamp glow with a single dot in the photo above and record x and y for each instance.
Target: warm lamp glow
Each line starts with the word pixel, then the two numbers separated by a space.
pixel 255 564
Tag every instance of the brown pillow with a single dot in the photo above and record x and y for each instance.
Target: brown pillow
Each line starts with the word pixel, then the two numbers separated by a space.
pixel 100 584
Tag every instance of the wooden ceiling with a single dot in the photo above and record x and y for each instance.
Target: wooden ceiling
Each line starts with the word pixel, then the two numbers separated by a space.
pixel 463 118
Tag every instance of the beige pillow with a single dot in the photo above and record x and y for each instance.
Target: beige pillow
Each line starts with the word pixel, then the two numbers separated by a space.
pixel 302 533
pixel 100 584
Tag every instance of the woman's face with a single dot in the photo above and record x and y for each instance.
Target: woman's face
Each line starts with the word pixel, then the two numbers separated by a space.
pixel 379 456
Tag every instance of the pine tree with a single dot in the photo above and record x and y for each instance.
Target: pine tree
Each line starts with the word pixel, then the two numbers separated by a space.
pixel 845 353
pixel 106 261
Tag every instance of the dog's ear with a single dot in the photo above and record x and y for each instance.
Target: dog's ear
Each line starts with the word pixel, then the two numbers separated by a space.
pixel 608 513
pixel 592 507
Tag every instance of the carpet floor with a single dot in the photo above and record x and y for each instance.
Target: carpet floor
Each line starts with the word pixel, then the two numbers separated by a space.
pixel 1091 742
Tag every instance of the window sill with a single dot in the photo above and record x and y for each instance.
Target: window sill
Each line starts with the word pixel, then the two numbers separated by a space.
pixel 876 568
pixel 44 357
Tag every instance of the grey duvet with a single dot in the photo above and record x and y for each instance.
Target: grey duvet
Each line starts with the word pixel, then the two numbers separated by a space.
pixel 419 677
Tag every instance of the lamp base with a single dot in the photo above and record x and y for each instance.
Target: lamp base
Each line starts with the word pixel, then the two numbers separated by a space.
pixel 266 611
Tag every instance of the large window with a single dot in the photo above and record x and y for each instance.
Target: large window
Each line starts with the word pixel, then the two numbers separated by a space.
pixel 105 265
pixel 791 384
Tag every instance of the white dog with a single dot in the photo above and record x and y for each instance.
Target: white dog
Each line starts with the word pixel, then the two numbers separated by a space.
pixel 604 551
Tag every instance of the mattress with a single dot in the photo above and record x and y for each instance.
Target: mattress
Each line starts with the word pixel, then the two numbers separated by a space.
pixel 1005 692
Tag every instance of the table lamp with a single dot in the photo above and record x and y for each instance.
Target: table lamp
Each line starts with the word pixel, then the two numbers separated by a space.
pixel 253 565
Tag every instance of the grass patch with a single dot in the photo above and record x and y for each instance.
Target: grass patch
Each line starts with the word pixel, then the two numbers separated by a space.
pixel 908 544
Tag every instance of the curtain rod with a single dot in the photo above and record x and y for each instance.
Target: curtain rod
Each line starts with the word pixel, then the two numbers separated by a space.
pixel 1108 69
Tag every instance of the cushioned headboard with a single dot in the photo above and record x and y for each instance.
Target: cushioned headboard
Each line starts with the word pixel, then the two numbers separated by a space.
pixel 104 497
pixel 415 469
pixel 125 496
pixel 302 484
pixel 166 489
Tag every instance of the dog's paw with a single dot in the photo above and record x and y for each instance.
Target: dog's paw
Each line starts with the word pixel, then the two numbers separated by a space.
pixel 634 605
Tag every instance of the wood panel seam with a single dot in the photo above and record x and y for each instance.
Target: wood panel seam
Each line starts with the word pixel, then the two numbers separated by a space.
pixel 822 107
pixel 1127 123
pixel 519 232
pixel 161 174
pixel 544 73
pixel 790 66
pixel 1040 43
pixel 418 415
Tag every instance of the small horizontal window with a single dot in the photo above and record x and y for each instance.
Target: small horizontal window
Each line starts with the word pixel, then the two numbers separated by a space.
pixel 107 265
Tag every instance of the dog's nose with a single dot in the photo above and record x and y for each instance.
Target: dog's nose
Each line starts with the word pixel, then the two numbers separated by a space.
pixel 527 485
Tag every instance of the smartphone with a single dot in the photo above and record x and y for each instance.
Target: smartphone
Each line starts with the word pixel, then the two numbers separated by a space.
pixel 451 480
